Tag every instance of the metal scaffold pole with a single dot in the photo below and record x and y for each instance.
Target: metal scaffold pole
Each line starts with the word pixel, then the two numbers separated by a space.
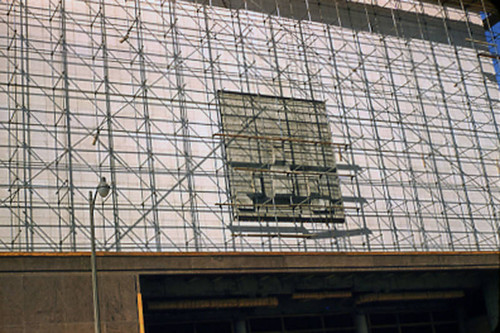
pixel 291 125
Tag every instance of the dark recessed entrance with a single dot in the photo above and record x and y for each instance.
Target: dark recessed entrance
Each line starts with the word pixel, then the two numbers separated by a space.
pixel 444 321
pixel 322 303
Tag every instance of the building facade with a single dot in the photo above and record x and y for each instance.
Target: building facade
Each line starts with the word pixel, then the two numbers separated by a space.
pixel 401 126
pixel 291 126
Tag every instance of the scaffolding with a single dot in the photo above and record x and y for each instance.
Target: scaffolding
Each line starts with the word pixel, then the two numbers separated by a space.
pixel 405 126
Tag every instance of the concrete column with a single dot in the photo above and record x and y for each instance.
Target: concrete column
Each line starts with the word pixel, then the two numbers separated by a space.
pixel 240 326
pixel 361 325
pixel 491 292
pixel 461 316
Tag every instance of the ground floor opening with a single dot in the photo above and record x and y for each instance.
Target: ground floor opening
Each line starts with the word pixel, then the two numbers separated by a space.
pixel 403 302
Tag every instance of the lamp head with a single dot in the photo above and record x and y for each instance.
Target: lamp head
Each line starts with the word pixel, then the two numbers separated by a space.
pixel 103 187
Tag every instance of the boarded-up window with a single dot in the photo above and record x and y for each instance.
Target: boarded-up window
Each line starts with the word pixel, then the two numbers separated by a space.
pixel 281 164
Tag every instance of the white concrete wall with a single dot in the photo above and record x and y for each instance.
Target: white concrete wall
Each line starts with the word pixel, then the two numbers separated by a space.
pixel 425 139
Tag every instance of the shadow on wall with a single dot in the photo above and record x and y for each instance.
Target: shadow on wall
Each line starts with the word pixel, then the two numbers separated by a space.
pixel 362 17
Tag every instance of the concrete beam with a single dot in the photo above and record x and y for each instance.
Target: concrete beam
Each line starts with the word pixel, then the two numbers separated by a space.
pixel 216 262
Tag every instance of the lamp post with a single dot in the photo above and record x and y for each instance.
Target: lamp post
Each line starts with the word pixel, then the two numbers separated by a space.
pixel 103 189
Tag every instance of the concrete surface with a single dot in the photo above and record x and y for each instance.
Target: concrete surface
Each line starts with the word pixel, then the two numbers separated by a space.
pixel 42 292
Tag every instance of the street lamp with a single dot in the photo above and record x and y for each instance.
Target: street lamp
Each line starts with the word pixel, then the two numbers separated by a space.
pixel 103 189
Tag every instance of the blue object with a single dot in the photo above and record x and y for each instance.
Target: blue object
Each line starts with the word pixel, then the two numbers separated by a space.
pixel 493 36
